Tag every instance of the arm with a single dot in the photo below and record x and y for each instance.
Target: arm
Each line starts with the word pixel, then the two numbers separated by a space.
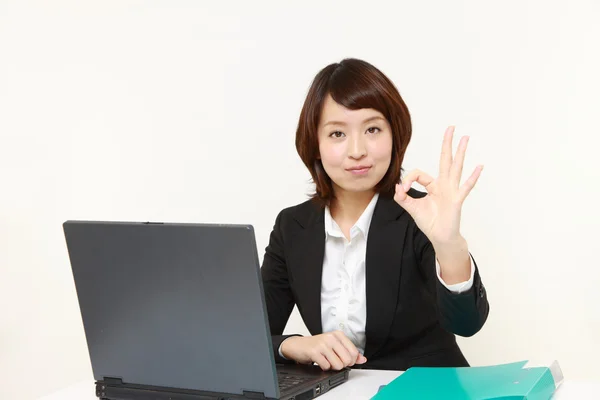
pixel 278 293
pixel 461 286
pixel 437 215
pixel 461 313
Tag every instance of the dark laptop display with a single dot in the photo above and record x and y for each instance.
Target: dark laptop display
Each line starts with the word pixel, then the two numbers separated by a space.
pixel 177 311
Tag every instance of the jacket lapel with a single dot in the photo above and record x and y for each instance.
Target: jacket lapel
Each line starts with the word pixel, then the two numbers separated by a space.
pixel 307 253
pixel 383 269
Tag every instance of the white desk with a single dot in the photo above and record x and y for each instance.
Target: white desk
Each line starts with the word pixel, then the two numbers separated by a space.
pixel 363 384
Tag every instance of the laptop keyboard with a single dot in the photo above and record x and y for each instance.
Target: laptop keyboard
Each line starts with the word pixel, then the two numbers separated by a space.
pixel 287 381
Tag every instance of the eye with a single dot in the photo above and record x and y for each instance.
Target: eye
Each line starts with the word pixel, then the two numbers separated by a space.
pixel 370 130
pixel 336 134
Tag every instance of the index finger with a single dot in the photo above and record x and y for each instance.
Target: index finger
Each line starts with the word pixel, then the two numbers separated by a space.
pixel 348 345
pixel 446 156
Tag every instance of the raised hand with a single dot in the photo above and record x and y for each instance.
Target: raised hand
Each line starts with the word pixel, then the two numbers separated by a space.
pixel 438 214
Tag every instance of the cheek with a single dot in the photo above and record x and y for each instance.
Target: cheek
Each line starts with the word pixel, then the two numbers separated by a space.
pixel 331 155
pixel 381 150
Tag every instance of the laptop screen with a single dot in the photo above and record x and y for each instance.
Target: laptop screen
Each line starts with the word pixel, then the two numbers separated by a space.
pixel 173 305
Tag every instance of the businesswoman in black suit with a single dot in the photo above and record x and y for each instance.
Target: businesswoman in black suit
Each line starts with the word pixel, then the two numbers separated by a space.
pixel 380 272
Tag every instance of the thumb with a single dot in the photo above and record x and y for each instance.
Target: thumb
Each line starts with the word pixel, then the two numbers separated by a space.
pixel 403 199
pixel 361 359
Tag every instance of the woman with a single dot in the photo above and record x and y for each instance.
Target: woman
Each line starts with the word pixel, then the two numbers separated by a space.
pixel 380 272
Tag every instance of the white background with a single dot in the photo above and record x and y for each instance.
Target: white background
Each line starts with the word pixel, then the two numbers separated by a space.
pixel 186 111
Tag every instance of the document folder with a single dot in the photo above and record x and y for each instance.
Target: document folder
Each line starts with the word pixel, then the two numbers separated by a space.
pixel 515 381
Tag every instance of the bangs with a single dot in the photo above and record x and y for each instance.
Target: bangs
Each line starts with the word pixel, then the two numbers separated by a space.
pixel 354 90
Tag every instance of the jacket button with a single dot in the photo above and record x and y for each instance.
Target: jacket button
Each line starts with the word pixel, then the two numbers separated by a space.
pixel 481 291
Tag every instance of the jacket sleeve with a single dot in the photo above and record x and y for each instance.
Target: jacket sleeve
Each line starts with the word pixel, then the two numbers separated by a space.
pixel 460 313
pixel 278 293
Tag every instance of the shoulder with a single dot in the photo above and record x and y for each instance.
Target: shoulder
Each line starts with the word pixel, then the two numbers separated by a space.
pixel 306 208
pixel 302 214
pixel 309 211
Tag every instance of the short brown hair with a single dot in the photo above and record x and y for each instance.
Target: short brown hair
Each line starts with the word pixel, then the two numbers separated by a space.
pixel 354 84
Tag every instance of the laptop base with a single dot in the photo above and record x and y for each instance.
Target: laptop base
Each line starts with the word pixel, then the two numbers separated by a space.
pixel 115 389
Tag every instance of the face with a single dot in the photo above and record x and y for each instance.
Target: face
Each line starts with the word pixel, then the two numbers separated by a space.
pixel 355 146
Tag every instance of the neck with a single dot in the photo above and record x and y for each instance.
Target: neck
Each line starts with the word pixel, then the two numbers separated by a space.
pixel 350 205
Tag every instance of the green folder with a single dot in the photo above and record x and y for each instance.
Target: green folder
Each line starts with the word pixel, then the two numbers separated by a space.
pixel 514 381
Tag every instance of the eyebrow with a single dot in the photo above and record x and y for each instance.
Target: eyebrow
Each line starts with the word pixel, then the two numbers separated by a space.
pixel 364 122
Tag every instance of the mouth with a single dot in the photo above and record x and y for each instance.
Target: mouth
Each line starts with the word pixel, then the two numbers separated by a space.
pixel 359 169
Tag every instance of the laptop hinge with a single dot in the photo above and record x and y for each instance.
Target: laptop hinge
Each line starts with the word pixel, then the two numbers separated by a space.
pixel 101 386
pixel 254 395
pixel 112 381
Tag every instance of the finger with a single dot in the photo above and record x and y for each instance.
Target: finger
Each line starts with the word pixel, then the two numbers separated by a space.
pixel 343 354
pixel 404 200
pixel 321 361
pixel 469 184
pixel 459 160
pixel 350 347
pixel 361 359
pixel 332 358
pixel 446 156
pixel 416 175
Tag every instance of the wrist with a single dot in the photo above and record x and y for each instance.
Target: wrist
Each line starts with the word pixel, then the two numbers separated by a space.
pixel 288 344
pixel 454 260
pixel 451 245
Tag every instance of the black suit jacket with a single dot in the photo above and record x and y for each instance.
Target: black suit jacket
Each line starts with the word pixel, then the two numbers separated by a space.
pixel 412 318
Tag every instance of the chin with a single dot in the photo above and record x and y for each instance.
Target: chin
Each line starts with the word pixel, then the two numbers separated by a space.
pixel 363 187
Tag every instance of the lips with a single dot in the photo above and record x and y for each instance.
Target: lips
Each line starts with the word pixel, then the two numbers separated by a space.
pixel 359 168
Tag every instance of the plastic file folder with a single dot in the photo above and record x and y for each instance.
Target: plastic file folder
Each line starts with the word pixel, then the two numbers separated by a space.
pixel 515 381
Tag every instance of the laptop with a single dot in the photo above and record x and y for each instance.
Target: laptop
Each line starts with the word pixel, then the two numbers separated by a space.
pixel 177 312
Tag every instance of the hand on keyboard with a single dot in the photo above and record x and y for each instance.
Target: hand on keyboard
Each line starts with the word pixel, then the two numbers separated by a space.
pixel 332 350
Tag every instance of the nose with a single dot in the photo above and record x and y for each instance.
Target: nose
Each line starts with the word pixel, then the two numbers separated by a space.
pixel 357 148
